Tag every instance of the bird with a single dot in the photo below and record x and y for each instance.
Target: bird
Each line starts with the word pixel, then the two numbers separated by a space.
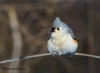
pixel 61 40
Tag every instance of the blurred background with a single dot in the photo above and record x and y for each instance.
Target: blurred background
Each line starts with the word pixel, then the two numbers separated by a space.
pixel 25 27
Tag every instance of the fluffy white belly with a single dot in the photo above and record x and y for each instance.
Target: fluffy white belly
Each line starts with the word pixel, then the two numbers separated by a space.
pixel 62 45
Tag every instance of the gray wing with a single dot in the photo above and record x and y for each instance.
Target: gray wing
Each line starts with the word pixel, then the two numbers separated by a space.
pixel 71 33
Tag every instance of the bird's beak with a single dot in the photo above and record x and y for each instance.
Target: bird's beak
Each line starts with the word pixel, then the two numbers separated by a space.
pixel 52 30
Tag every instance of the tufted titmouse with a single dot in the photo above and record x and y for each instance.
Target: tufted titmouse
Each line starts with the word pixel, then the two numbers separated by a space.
pixel 61 39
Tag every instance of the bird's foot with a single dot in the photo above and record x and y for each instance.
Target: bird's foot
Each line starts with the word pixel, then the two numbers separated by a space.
pixel 70 54
pixel 56 53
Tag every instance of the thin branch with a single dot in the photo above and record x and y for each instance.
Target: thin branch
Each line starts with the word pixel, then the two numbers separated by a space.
pixel 26 57
pixel 88 55
pixel 45 54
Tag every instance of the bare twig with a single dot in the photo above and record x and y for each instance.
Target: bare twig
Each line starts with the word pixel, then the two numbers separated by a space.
pixel 45 54
pixel 26 57
pixel 88 55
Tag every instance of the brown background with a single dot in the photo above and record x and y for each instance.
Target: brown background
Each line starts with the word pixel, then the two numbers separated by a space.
pixel 24 30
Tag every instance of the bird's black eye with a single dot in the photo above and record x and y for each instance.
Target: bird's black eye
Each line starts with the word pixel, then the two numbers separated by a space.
pixel 57 28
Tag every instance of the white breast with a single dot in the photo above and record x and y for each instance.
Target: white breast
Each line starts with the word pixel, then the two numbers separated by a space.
pixel 62 45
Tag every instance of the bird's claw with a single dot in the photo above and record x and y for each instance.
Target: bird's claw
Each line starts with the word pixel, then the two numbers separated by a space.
pixel 56 53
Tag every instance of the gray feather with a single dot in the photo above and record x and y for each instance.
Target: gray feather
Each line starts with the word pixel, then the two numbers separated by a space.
pixel 71 33
pixel 58 23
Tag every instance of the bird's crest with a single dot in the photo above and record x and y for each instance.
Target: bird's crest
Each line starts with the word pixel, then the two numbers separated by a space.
pixel 58 23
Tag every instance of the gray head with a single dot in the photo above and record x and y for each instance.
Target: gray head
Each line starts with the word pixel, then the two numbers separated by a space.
pixel 58 23
pixel 60 26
